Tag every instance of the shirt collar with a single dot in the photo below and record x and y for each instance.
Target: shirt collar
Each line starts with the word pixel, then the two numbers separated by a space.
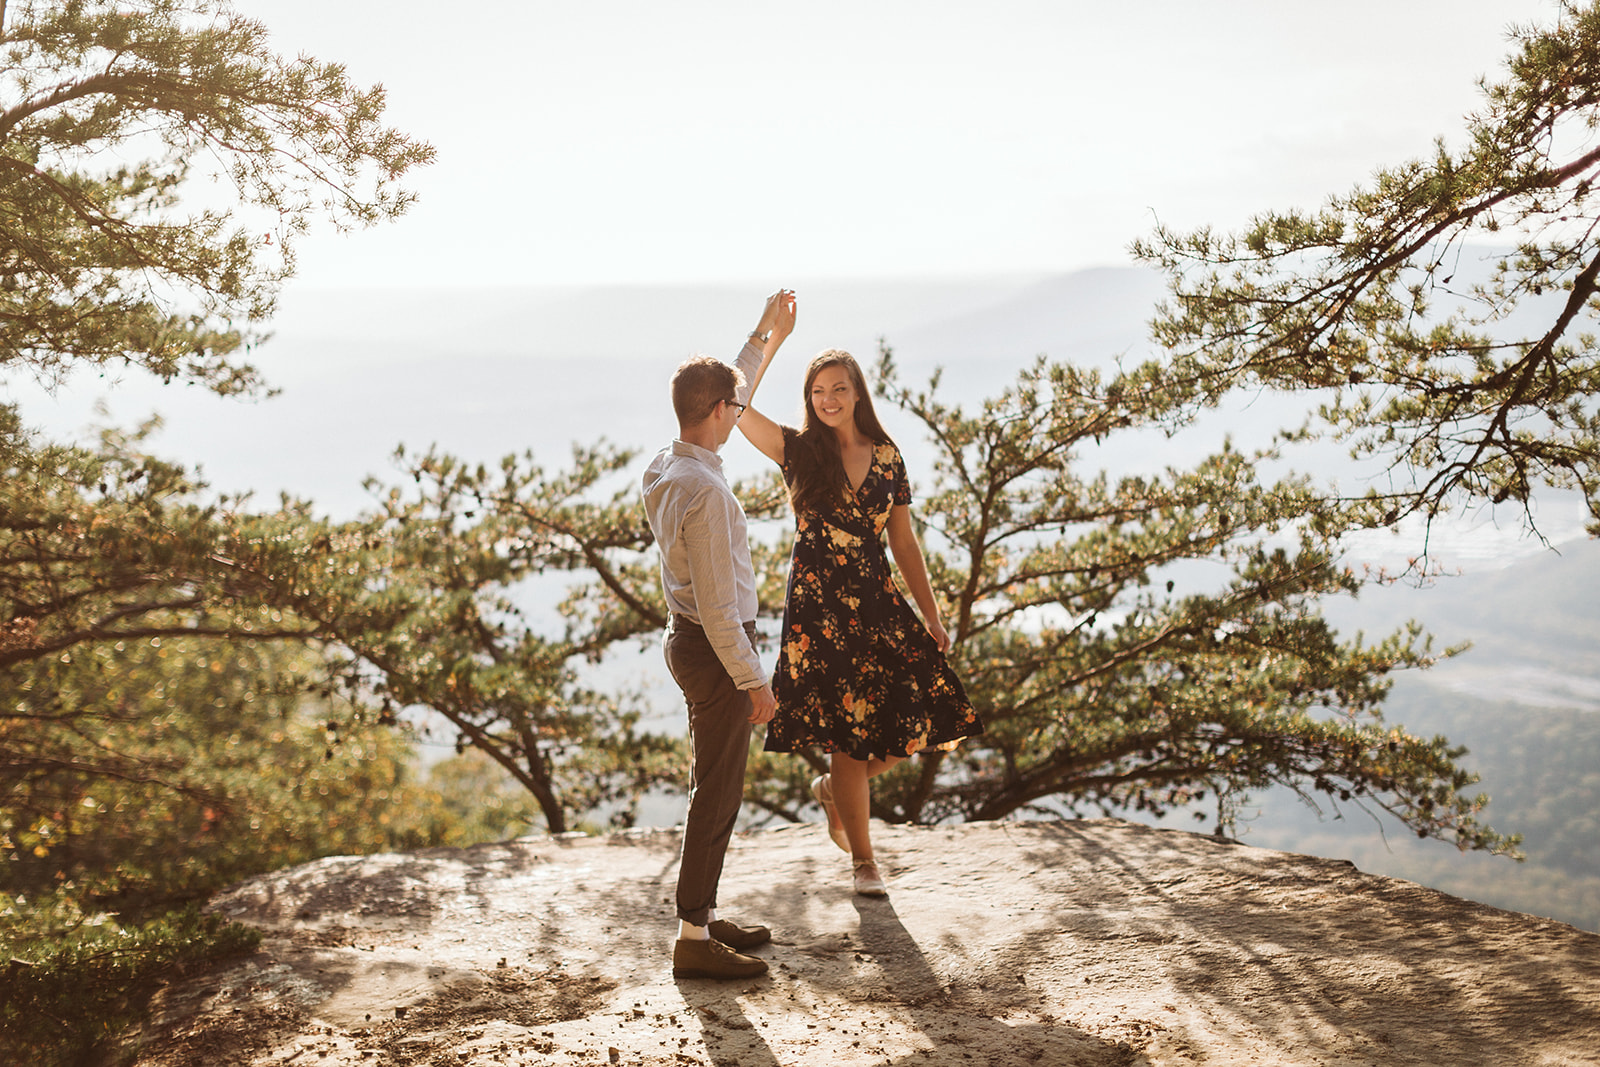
pixel 704 455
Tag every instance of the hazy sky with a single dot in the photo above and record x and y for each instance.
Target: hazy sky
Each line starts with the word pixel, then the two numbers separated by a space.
pixel 702 140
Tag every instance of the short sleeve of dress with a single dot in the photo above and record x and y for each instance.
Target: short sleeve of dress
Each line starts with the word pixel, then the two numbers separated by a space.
pixel 899 484
pixel 791 441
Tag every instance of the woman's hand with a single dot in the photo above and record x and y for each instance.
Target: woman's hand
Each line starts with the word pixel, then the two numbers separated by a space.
pixel 777 317
pixel 771 312
pixel 783 316
pixel 937 632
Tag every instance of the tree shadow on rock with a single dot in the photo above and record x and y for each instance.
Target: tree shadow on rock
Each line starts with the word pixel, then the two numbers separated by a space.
pixel 1313 955
pixel 963 1016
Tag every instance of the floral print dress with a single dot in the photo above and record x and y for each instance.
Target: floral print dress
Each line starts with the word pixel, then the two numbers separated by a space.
pixel 857 671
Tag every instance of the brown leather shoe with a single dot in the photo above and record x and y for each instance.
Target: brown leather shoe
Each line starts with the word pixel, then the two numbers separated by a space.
pixel 739 938
pixel 712 959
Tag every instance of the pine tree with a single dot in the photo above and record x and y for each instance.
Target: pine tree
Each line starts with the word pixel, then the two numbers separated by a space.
pixel 1468 377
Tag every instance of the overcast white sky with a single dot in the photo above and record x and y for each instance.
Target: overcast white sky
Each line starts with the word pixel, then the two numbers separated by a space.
pixel 709 141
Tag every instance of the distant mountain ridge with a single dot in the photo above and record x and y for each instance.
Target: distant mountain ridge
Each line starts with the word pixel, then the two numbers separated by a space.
pixel 483 373
pixel 1538 615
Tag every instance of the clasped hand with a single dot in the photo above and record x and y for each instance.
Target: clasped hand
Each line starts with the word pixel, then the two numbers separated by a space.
pixel 777 318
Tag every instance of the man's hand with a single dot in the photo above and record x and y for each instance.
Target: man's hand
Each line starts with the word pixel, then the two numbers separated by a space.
pixel 762 705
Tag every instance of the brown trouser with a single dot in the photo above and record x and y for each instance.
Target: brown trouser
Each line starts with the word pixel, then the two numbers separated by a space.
pixel 719 744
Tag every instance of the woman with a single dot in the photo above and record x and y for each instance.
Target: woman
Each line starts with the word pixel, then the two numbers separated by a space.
pixel 858 675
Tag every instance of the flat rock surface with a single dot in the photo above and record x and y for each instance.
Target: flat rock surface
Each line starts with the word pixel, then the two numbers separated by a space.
pixel 1040 943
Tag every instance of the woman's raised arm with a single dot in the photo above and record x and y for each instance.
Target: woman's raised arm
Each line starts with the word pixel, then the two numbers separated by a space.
pixel 777 323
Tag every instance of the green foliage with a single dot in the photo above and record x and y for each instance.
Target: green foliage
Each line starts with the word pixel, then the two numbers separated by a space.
pixel 63 1000
pixel 112 112
pixel 1372 305
pixel 422 598
pixel 1104 684
pixel 1098 690
pixel 115 249
pixel 139 776
pixel 130 748
pixel 144 775
pixel 144 757
pixel 478 801
pixel 108 545
pixel 112 546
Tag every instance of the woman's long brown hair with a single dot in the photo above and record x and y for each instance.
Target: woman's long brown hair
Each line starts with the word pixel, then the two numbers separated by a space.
pixel 819 479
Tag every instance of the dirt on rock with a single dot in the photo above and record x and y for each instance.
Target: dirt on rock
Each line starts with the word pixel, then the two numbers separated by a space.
pixel 1038 943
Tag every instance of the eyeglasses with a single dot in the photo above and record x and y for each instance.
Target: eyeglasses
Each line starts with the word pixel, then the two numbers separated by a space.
pixel 736 404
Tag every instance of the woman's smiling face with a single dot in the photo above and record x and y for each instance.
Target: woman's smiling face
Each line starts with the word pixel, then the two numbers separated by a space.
pixel 833 397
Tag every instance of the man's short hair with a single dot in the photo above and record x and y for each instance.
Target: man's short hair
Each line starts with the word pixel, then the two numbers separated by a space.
pixel 701 383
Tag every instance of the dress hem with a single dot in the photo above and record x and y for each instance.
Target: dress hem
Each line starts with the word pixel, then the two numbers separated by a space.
pixel 943 745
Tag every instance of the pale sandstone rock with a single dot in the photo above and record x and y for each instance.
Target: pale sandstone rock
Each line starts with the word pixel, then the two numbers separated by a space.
pixel 1038 943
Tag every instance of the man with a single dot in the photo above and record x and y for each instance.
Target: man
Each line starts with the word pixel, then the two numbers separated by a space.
pixel 710 643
